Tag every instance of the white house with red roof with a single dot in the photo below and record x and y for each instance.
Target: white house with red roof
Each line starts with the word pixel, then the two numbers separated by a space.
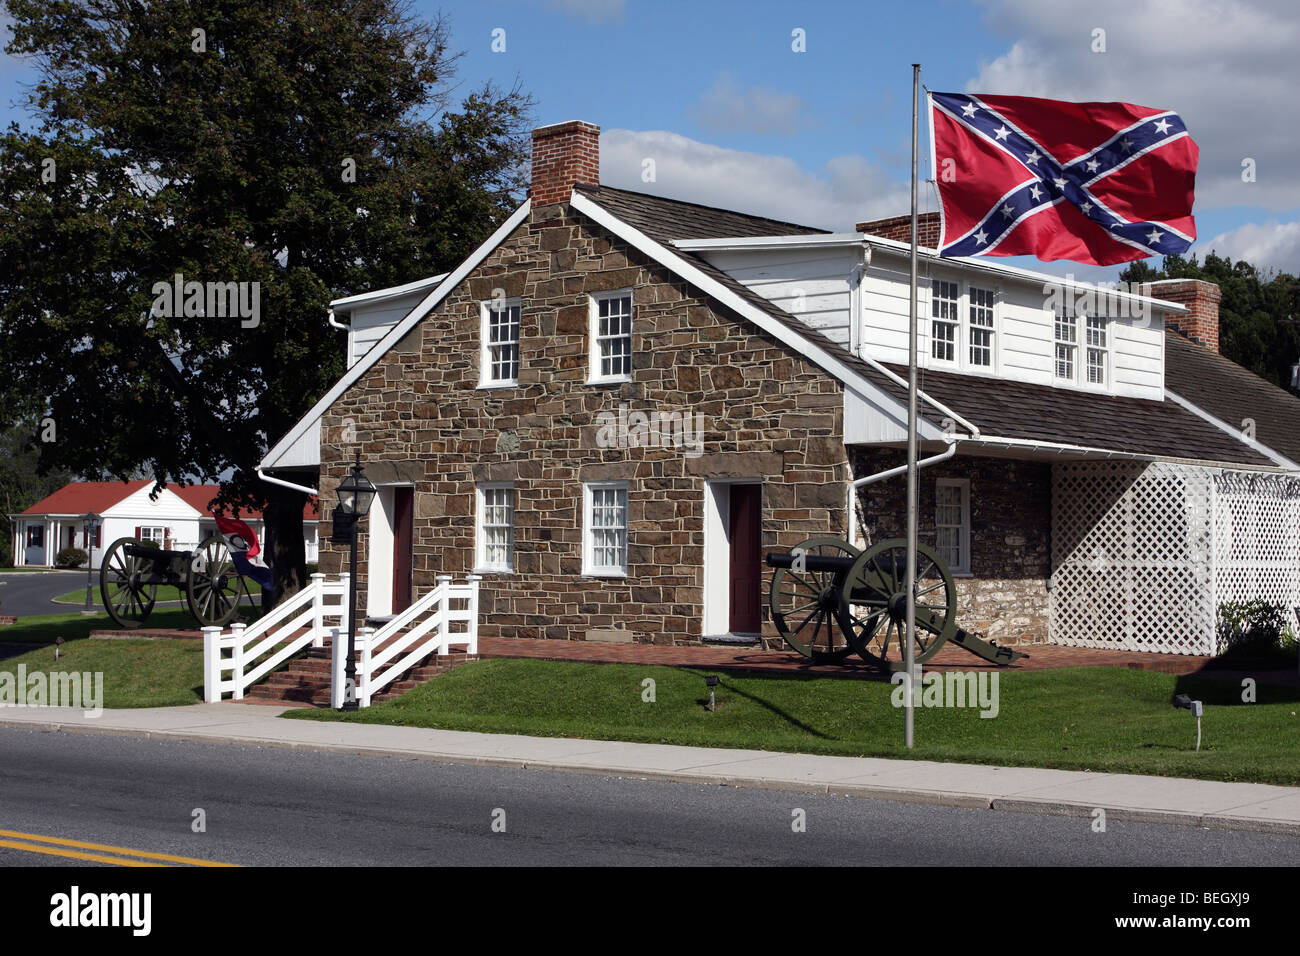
pixel 177 518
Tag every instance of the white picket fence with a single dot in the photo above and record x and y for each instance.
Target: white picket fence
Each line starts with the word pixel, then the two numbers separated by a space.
pixel 236 659
pixel 445 616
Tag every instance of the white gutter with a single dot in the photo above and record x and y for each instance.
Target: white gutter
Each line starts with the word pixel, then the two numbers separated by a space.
pixel 812 241
pixel 336 323
pixel 286 484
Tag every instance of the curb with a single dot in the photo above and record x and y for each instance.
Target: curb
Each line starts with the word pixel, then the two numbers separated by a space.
pixel 968 801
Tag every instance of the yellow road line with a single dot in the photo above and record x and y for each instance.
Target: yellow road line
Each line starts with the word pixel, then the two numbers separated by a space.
pixel 31 838
pixel 73 854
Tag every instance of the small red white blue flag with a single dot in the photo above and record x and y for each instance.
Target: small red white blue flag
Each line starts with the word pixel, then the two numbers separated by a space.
pixel 1099 183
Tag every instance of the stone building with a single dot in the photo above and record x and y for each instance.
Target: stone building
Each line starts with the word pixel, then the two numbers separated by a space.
pixel 620 403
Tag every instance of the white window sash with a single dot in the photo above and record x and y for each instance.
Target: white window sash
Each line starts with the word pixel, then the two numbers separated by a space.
pixel 495 527
pixel 605 528
pixel 499 350
pixel 960 563
pixel 611 349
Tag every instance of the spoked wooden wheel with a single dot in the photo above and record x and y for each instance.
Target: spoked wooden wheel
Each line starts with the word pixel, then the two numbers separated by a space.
pixel 125 584
pixel 804 604
pixel 213 586
pixel 873 607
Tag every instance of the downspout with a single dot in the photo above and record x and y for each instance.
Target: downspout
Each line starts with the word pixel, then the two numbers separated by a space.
pixel 285 484
pixel 336 323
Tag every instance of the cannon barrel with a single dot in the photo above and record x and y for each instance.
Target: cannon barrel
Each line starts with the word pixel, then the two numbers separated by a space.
pixel 811 562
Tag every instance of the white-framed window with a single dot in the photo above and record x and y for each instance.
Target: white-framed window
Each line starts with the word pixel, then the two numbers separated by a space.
pixel 611 336
pixel 604 525
pixel 499 351
pixel 495 534
pixel 1066 337
pixel 1096 336
pixel 952 522
pixel 980 350
pixel 153 533
pixel 36 536
pixel 944 320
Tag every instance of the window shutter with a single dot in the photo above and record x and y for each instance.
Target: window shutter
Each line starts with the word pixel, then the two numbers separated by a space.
pixel 137 532
pixel 99 528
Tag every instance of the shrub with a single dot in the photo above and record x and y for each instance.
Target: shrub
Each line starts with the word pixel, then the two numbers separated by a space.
pixel 70 558
pixel 1253 628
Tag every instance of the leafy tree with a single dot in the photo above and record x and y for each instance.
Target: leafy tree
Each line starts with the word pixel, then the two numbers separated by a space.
pixel 21 482
pixel 309 146
pixel 1253 313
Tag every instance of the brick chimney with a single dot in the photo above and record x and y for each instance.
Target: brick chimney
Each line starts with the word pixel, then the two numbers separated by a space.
pixel 1201 322
pixel 900 228
pixel 564 155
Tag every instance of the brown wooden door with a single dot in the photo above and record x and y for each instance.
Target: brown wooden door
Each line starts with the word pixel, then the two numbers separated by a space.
pixel 746 574
pixel 403 515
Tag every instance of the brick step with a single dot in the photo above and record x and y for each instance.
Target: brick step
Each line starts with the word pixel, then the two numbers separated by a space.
pixel 307 678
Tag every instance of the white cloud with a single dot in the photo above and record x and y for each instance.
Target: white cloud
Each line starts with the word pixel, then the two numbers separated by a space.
pixel 593 11
pixel 1227 66
pixel 1269 245
pixel 845 191
pixel 726 108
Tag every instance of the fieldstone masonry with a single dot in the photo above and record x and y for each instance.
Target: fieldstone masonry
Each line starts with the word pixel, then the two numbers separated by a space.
pixel 419 416
pixel 1005 596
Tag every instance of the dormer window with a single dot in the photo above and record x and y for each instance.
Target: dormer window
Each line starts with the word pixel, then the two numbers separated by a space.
pixel 499 352
pixel 1067 342
pixel 981 327
pixel 611 337
pixel 943 320
pixel 1097 348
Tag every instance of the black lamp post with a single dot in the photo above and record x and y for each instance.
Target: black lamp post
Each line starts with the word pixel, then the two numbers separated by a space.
pixel 355 496
pixel 89 521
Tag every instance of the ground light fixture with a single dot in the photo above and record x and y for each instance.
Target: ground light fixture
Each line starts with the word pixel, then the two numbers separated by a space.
pixel 711 682
pixel 356 494
pixel 1183 702
pixel 89 522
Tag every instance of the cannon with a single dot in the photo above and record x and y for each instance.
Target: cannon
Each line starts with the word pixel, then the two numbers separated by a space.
pixel 830 599
pixel 211 577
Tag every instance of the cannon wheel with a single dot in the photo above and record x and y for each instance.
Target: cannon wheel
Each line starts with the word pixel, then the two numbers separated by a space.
pixel 212 585
pixel 804 604
pixel 127 598
pixel 872 607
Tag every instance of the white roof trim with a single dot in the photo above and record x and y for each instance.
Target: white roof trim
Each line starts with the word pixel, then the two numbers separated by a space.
pixel 1015 272
pixel 348 303
pixel 396 333
pixel 1259 446
pixel 771 242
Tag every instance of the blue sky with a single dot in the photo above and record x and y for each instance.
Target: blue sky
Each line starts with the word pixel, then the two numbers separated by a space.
pixel 734 117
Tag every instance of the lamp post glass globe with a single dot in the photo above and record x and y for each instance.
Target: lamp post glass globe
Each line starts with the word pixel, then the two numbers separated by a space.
pixel 356 492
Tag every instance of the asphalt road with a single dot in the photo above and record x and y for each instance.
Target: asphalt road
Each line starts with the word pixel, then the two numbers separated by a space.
pixel 271 807
pixel 31 593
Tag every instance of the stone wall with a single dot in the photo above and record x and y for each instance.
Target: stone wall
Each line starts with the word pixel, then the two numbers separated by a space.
pixel 1005 595
pixel 418 416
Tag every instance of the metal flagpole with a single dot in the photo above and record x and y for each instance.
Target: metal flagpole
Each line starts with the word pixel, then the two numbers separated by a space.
pixel 909 650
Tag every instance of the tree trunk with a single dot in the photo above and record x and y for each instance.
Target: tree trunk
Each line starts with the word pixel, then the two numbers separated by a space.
pixel 284 550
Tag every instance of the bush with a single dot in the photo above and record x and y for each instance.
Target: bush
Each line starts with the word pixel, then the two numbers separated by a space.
pixel 70 558
pixel 1253 628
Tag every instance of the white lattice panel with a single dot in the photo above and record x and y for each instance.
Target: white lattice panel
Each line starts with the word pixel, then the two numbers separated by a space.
pixel 1143 554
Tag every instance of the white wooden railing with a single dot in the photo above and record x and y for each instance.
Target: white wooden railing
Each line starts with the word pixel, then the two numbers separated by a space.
pixel 386 653
pixel 236 659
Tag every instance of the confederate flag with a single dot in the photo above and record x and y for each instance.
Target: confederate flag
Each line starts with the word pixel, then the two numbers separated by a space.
pixel 1099 183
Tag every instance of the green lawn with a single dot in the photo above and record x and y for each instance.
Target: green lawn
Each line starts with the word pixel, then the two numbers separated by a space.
pixel 43 629
pixel 166 592
pixel 137 673
pixel 1088 718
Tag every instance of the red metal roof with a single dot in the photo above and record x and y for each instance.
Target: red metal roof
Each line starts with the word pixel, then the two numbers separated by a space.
pixel 78 497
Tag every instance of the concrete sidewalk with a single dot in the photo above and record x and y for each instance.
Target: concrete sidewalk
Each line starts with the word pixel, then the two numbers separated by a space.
pixel 1204 803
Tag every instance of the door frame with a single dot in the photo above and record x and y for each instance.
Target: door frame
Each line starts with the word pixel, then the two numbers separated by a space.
pixel 379 550
pixel 717 553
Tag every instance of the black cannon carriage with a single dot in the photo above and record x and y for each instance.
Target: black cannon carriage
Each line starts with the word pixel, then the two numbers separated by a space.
pixel 830 599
